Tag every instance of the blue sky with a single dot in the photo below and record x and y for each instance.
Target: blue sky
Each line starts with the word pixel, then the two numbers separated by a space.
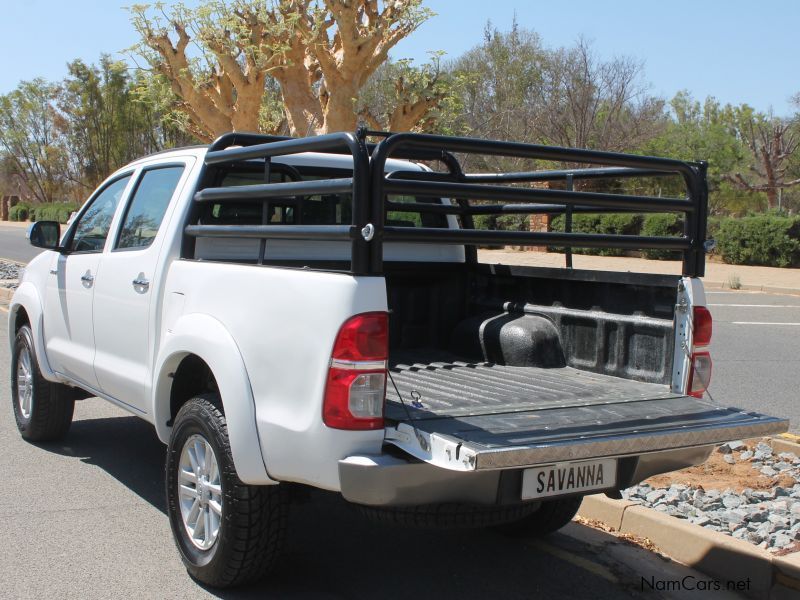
pixel 735 50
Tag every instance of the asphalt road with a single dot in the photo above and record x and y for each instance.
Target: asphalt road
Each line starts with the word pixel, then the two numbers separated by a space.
pixel 755 350
pixel 14 245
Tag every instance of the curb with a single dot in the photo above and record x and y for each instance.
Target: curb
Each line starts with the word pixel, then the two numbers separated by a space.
pixel 715 554
pixel 752 288
pixel 720 556
pixel 18 224
pixel 6 294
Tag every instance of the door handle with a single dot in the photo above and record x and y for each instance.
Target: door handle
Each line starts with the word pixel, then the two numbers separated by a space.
pixel 141 284
pixel 87 279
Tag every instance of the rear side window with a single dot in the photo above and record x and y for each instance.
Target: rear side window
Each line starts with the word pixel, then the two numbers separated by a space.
pixel 328 209
pixel 147 207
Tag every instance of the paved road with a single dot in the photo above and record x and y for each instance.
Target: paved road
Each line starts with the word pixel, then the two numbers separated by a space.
pixel 756 352
pixel 14 245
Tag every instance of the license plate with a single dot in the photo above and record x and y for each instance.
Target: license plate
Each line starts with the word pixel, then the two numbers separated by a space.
pixel 569 478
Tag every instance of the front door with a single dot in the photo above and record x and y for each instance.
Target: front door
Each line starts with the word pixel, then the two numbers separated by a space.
pixel 127 286
pixel 69 296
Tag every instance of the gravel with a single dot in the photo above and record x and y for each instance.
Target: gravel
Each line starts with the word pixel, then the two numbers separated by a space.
pixel 9 274
pixel 769 519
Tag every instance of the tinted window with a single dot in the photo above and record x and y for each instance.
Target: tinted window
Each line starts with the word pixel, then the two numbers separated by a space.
pixel 328 209
pixel 147 207
pixel 92 228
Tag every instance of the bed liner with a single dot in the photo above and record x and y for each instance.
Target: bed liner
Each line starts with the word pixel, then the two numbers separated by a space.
pixel 467 415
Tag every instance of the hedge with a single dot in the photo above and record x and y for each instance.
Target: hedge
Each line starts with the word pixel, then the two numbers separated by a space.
pixel 661 225
pixel 767 240
pixel 764 239
pixel 615 224
pixel 53 211
pixel 19 212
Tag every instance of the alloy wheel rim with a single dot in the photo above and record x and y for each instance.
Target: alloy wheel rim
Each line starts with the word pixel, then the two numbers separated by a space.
pixel 25 383
pixel 200 492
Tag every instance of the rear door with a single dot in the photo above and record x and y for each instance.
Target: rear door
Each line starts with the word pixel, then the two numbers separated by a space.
pixel 69 295
pixel 127 287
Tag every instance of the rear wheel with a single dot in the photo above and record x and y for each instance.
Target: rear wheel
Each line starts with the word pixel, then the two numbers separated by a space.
pixel 551 516
pixel 42 409
pixel 228 533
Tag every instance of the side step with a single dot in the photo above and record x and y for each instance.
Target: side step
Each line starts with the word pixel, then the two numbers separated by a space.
pixel 546 436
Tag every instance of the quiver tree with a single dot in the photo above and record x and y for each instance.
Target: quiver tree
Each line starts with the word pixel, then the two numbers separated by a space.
pixel 281 65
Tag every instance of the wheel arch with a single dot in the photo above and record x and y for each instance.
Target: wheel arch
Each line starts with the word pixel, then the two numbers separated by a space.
pixel 195 344
pixel 26 307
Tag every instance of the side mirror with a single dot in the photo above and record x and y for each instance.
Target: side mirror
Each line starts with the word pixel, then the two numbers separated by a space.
pixel 44 234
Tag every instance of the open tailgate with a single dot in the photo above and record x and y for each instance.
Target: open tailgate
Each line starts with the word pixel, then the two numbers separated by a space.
pixel 601 416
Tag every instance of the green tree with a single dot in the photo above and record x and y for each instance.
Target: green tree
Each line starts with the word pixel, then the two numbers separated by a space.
pixel 31 140
pixel 499 77
pixel 106 122
pixel 516 88
pixel 705 131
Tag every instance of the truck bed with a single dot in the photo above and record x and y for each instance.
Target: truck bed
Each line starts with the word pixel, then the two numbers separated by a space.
pixel 479 415
pixel 435 383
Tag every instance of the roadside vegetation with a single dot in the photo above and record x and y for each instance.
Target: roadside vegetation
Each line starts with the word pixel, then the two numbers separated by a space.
pixel 302 67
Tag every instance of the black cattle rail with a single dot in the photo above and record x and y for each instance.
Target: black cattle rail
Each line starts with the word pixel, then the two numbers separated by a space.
pixel 371 184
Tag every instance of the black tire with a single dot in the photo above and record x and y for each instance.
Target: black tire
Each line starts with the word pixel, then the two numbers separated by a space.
pixel 551 516
pixel 448 516
pixel 48 415
pixel 253 521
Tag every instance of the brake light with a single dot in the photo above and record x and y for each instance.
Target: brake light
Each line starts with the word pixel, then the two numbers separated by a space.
pixel 700 368
pixel 702 326
pixel 355 390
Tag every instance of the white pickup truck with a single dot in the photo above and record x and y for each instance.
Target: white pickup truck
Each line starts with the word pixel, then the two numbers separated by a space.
pixel 312 312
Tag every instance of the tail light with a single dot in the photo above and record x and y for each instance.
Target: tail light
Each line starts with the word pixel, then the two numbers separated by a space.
pixel 700 369
pixel 355 391
pixel 700 374
pixel 702 326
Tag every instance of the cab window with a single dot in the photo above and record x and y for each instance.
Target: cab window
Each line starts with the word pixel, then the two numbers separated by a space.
pixel 93 225
pixel 147 207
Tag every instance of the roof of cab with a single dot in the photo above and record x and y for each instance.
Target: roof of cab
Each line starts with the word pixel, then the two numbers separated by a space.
pixel 315 159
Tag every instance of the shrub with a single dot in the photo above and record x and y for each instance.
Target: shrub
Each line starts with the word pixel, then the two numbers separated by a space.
pixel 513 222
pixel 614 224
pixel 712 230
pixel 661 225
pixel 19 212
pixel 768 240
pixel 54 211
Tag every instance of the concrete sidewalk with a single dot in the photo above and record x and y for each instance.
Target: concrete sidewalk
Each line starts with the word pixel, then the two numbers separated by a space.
pixel 718 275
pixel 19 224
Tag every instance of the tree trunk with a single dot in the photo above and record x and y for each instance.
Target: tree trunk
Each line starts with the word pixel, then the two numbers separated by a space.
pixel 772 197
pixel 246 111
pixel 340 114
pixel 301 106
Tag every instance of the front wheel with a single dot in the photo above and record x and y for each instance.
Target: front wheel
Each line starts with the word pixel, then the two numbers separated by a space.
pixel 42 409
pixel 228 533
